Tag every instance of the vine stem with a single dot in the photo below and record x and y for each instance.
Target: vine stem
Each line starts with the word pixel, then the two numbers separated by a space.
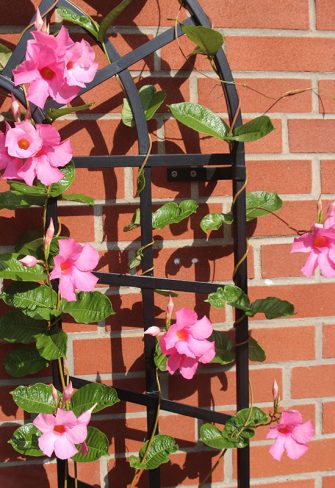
pixel 138 473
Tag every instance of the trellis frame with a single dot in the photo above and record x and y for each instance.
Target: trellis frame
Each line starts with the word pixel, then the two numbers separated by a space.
pixel 226 166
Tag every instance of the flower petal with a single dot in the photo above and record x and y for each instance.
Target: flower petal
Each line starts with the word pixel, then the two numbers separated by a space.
pixel 47 443
pixel 310 265
pixel 277 449
pixel 88 258
pixel 188 367
pixel 186 317
pixel 173 363
pixel 294 450
pixel 64 448
pixel 303 433
pixel 83 280
pixel 44 422
pixel 202 328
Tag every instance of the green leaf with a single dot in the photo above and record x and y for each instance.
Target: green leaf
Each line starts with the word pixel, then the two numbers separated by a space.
pixel 173 213
pixel 256 352
pixel 261 203
pixel 36 301
pixel 159 358
pixel 23 362
pixel 272 308
pixel 94 393
pixel 40 190
pixel 211 222
pixel 5 54
pixel 140 182
pixel 13 200
pixel 97 444
pixel 249 417
pixel 207 40
pixel 16 327
pixel 162 446
pixel 224 348
pixel 82 20
pixel 211 436
pixel 54 113
pixel 166 293
pixel 12 269
pixel 110 18
pixel 35 398
pixel 151 100
pixel 135 221
pixel 89 307
pixel 78 197
pixel 135 261
pixel 199 118
pixel 253 130
pixel 231 294
pixel 35 247
pixel 65 183
pixel 25 440
pixel 52 344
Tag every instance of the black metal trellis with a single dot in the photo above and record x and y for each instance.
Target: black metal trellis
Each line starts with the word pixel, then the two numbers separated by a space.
pixel 227 166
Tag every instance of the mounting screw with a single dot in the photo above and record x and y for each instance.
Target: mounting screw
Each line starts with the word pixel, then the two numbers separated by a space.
pixel 193 173
pixel 174 173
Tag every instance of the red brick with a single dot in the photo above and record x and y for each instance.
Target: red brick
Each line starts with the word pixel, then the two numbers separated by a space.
pixel 299 215
pixel 326 90
pixel 39 476
pixel 219 388
pixel 93 356
pixel 258 95
pixel 278 176
pixel 314 300
pixel 325 14
pixel 263 14
pixel 328 417
pixel 289 484
pixel 278 261
pixel 328 482
pixel 251 53
pixel 99 184
pixel 306 381
pixel 311 136
pixel 280 344
pixel 162 188
pixel 329 341
pixel 69 219
pixel 318 458
pixel 327 176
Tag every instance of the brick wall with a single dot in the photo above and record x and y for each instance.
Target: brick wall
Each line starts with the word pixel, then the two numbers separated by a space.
pixel 273 47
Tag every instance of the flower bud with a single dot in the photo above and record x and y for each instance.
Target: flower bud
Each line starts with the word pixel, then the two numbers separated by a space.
pixel 84 449
pixel 38 21
pixel 153 331
pixel 15 107
pixel 54 394
pixel 49 235
pixel 68 392
pixel 170 306
pixel 275 391
pixel 28 261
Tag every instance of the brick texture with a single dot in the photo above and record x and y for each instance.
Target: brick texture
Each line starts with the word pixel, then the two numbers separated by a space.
pixel 275 49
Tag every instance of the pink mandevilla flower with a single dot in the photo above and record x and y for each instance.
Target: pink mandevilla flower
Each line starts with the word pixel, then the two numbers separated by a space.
pixel 55 67
pixel 186 345
pixel 62 432
pixel 72 267
pixel 291 435
pixel 320 244
pixel 34 152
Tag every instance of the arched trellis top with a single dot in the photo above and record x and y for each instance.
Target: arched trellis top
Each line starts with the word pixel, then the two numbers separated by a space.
pixel 228 166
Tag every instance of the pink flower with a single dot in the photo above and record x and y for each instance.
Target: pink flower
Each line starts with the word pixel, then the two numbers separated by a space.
pixel 55 67
pixel 49 235
pixel 62 432
pixel 9 164
pixel 291 435
pixel 28 261
pixel 35 152
pixel 15 108
pixel 72 267
pixel 153 331
pixel 320 243
pixel 186 343
pixel 275 391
